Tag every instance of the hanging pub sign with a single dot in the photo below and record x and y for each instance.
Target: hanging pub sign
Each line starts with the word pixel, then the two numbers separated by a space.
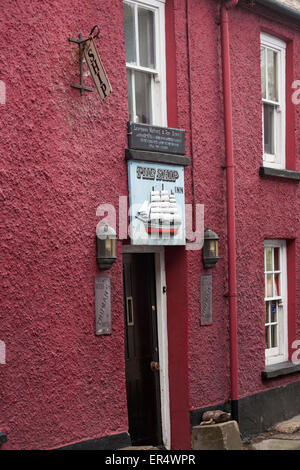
pixel 156 199
pixel 96 69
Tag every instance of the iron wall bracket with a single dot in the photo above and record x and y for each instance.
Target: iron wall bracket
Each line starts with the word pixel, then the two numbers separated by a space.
pixel 81 42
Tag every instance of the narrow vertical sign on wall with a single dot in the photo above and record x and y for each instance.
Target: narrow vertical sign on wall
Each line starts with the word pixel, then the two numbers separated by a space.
pixel 97 70
pixel 206 299
pixel 102 301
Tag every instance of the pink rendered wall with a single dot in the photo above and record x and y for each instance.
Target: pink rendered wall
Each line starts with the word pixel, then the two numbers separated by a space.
pixel 63 155
pixel 208 345
pixel 264 208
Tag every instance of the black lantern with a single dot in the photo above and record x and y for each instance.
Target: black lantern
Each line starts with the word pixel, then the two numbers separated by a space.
pixel 210 251
pixel 106 239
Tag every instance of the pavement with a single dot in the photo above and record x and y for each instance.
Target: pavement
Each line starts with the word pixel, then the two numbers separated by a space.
pixel 283 436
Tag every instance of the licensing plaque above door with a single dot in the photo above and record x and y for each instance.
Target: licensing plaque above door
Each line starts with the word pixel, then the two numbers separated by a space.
pixel 156 139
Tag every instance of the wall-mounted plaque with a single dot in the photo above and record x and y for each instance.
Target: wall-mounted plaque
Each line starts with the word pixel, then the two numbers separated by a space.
pixel 156 139
pixel 102 301
pixel 206 299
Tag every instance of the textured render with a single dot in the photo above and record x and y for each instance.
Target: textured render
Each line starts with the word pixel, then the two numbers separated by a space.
pixel 264 208
pixel 209 352
pixel 63 155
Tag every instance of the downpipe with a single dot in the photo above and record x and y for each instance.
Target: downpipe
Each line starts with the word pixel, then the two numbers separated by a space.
pixel 231 230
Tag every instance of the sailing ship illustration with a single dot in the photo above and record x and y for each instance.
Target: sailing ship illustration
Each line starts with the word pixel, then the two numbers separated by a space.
pixel 160 215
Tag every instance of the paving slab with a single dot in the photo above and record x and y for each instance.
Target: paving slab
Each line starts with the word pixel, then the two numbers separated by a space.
pixel 283 436
pixel 276 444
pixel 291 437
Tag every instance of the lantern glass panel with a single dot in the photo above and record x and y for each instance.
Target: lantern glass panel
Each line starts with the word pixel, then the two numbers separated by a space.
pixel 114 247
pixel 108 248
pixel 212 248
pixel 206 249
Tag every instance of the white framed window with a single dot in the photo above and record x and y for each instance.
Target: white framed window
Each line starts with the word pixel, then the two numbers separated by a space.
pixel 144 29
pixel 273 70
pixel 276 331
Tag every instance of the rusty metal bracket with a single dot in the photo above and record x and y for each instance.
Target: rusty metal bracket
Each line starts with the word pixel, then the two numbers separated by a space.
pixel 81 42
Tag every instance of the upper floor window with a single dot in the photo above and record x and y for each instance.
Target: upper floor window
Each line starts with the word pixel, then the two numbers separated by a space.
pixel 273 71
pixel 144 28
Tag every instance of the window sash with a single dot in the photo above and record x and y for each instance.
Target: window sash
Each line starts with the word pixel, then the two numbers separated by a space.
pixel 157 74
pixel 136 6
pixel 279 353
pixel 276 158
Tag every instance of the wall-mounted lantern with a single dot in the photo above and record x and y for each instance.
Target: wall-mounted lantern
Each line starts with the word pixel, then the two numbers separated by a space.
pixel 106 239
pixel 210 251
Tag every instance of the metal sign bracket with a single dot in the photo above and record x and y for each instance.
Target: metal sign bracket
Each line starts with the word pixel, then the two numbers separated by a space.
pixel 81 42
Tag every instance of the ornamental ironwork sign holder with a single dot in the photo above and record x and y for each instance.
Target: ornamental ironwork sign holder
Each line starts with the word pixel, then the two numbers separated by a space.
pixel 81 43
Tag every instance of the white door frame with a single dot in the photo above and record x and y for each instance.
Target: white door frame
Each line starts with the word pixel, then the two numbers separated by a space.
pixel 162 330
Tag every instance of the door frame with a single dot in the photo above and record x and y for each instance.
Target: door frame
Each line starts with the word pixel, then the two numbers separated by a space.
pixel 162 331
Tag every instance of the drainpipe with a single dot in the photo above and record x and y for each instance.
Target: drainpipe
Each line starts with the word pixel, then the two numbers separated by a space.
pixel 231 234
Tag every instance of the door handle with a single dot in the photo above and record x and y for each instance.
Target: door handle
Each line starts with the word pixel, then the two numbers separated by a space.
pixel 154 366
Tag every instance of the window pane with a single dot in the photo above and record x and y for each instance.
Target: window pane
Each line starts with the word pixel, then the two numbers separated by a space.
pixel 274 341
pixel 269 129
pixel 146 37
pixel 130 100
pixel 274 312
pixel 143 97
pixel 267 312
pixel 269 262
pixel 263 71
pixel 269 285
pixel 267 339
pixel 277 285
pixel 272 75
pixel 129 29
pixel 276 259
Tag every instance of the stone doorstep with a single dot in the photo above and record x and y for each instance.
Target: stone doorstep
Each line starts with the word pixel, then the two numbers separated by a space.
pixel 288 427
pixel 221 436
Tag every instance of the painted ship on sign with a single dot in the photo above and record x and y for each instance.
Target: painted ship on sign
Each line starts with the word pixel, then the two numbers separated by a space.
pixel 160 214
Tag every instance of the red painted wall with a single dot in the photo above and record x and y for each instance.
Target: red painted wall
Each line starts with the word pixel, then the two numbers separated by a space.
pixel 264 208
pixel 63 155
